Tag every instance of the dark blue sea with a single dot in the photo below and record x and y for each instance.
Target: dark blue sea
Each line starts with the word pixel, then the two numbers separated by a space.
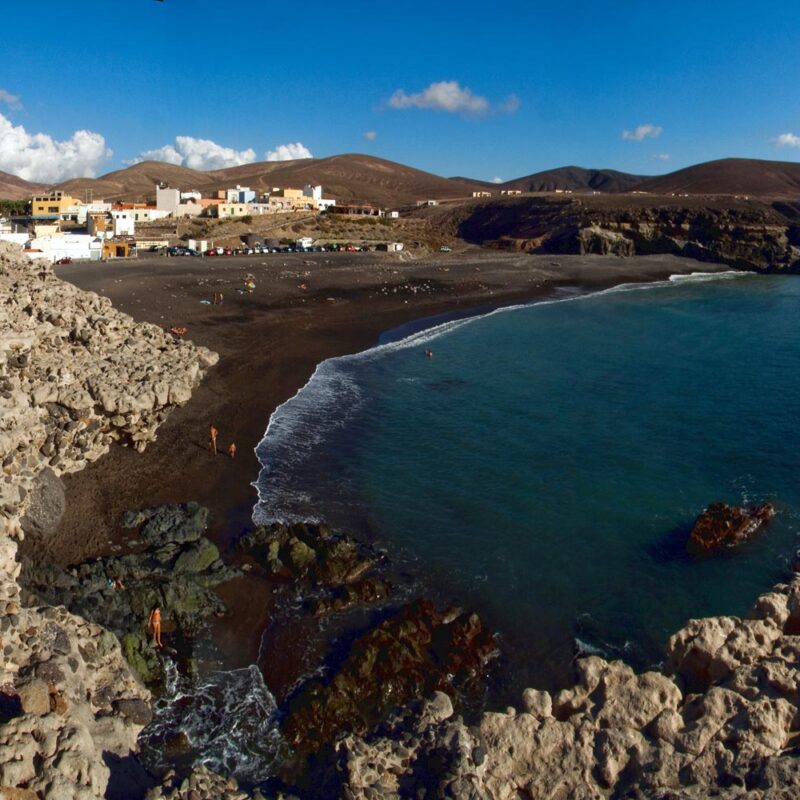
pixel 545 465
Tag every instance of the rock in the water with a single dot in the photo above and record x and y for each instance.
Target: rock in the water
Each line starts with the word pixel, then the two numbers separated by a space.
pixel 722 526
pixel 412 654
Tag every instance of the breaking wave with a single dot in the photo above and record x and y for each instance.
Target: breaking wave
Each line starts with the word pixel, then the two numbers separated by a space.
pixel 227 722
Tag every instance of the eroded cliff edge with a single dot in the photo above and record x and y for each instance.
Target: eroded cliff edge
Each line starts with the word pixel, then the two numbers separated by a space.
pixel 75 376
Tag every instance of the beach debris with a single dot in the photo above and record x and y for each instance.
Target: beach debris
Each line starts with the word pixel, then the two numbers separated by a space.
pixel 178 330
pixel 722 526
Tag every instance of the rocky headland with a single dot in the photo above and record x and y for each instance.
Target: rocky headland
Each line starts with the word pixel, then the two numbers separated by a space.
pixel 721 717
pixel 740 232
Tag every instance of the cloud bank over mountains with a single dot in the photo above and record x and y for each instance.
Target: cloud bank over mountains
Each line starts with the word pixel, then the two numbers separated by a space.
pixel 198 154
pixel 40 158
pixel 288 152
pixel 205 154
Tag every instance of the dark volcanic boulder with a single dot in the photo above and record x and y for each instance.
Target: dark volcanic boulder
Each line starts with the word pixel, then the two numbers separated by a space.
pixel 410 655
pixel 175 522
pixel 47 505
pixel 723 526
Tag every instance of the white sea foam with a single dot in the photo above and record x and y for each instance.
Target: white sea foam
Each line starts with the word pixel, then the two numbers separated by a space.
pixel 699 277
pixel 586 649
pixel 229 721
pixel 332 396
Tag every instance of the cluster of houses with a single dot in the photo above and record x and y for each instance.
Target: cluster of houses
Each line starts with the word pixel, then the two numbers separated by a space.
pixel 60 226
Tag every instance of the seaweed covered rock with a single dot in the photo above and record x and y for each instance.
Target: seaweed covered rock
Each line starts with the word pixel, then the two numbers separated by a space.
pixel 312 552
pixel 722 526
pixel 177 573
pixel 409 655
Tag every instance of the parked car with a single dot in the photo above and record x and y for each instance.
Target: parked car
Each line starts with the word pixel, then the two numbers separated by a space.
pixel 65 260
pixel 444 249
pixel 211 252
pixel 227 251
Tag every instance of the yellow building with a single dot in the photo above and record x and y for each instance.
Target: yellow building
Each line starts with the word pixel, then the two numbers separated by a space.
pixel 118 249
pixel 223 210
pixel 291 200
pixel 53 203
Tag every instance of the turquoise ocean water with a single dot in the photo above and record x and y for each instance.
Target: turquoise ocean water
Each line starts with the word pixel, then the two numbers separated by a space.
pixel 546 464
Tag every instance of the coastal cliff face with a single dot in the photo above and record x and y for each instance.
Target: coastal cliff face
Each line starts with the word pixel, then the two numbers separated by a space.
pixel 743 234
pixel 722 721
pixel 75 376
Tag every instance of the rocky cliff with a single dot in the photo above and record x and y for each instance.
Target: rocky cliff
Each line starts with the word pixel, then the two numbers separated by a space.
pixel 746 234
pixel 722 720
pixel 75 376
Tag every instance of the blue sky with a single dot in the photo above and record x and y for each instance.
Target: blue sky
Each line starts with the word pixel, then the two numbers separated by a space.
pixel 471 88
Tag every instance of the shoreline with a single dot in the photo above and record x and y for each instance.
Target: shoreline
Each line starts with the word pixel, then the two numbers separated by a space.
pixel 296 330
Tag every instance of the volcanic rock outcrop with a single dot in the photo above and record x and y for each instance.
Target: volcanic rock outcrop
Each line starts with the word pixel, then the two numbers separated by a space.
pixel 722 526
pixel 722 721
pixel 75 376
pixel 745 234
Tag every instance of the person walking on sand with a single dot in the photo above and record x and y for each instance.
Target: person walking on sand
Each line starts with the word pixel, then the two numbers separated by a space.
pixel 232 450
pixel 154 624
pixel 213 433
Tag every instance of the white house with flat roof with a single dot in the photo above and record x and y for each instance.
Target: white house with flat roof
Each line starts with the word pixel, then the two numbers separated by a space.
pixel 124 222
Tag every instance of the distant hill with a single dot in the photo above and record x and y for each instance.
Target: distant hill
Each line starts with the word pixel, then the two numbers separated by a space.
pixel 358 177
pixel 731 176
pixel 136 183
pixel 576 179
pixel 14 188
pixel 347 178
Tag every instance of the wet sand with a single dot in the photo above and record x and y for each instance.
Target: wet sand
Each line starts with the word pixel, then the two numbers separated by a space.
pixel 305 308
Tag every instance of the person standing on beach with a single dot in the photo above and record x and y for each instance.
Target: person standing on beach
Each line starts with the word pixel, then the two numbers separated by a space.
pixel 154 624
pixel 213 433
pixel 232 450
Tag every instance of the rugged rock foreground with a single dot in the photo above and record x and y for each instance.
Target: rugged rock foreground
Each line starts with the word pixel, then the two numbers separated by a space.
pixel 75 375
pixel 722 719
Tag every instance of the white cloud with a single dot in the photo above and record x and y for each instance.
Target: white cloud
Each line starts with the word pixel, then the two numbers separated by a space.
pixel 202 154
pixel 11 100
pixel 661 156
pixel 370 136
pixel 167 153
pixel 288 152
pixel 451 97
pixel 497 180
pixel 39 157
pixel 786 140
pixel 642 132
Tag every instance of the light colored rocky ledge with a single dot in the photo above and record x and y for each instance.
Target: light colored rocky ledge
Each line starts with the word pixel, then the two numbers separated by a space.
pixel 75 376
pixel 721 721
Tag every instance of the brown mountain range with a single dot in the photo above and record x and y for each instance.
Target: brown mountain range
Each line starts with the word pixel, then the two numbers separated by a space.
pixel 364 178
pixel 14 188
pixel 346 177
